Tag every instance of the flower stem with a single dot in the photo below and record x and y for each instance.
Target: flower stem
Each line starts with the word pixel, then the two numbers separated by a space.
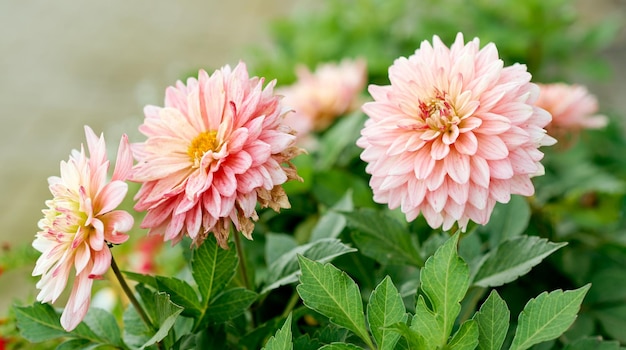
pixel 293 301
pixel 129 294
pixel 242 260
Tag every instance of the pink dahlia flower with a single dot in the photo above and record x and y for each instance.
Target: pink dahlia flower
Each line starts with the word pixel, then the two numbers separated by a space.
pixel 319 97
pixel 453 134
pixel 216 149
pixel 572 107
pixel 79 224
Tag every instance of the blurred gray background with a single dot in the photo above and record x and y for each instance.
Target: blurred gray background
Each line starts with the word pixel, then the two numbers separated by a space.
pixel 64 64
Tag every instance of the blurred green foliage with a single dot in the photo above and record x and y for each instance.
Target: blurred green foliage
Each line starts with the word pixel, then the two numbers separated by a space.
pixel 547 35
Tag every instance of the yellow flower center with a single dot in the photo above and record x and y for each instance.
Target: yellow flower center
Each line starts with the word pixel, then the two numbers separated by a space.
pixel 439 114
pixel 206 141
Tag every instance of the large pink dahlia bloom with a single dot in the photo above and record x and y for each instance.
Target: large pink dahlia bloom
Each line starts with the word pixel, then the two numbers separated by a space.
pixel 79 223
pixel 572 107
pixel 453 134
pixel 216 149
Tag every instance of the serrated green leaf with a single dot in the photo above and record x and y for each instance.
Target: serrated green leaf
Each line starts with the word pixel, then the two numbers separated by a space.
pixel 230 304
pixel 412 338
pixel 595 343
pixel 340 346
pixel 385 308
pixel 508 220
pixel 382 238
pixel 181 294
pixel 212 268
pixel 284 270
pixel 547 316
pixel 512 259
pixel 331 292
pixel 40 322
pixel 282 339
pixel 331 333
pixel 141 278
pixel 332 223
pixel 444 281
pixel 493 322
pixel 466 338
pixel 166 313
pixel 105 325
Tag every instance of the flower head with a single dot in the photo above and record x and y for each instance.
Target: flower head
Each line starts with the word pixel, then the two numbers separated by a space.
pixel 319 97
pixel 572 107
pixel 79 224
pixel 215 149
pixel 453 134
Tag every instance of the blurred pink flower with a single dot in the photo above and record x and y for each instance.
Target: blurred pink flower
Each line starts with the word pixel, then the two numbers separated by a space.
pixel 79 224
pixel 143 256
pixel 216 149
pixel 319 97
pixel 453 134
pixel 572 107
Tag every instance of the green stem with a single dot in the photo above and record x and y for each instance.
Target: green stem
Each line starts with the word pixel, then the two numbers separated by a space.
pixel 243 270
pixel 131 297
pixel 242 260
pixel 129 294
pixel 293 301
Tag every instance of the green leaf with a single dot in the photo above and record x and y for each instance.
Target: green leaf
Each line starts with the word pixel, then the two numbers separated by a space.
pixel 508 220
pixel 105 325
pixel 547 316
pixel 607 285
pixel 466 338
pixel 493 322
pixel 444 281
pixel 413 338
pixel 332 223
pixel 40 322
pixel 284 270
pixel 512 259
pixel 382 238
pixel 331 292
pixel 613 321
pixel 141 278
pixel 74 344
pixel 595 343
pixel 212 268
pixel 340 346
pixel 277 244
pixel 136 332
pixel 385 308
pixel 181 294
pixel 166 314
pixel 282 339
pixel 228 305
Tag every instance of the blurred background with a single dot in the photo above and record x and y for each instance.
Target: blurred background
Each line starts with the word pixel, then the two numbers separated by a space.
pixel 66 64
